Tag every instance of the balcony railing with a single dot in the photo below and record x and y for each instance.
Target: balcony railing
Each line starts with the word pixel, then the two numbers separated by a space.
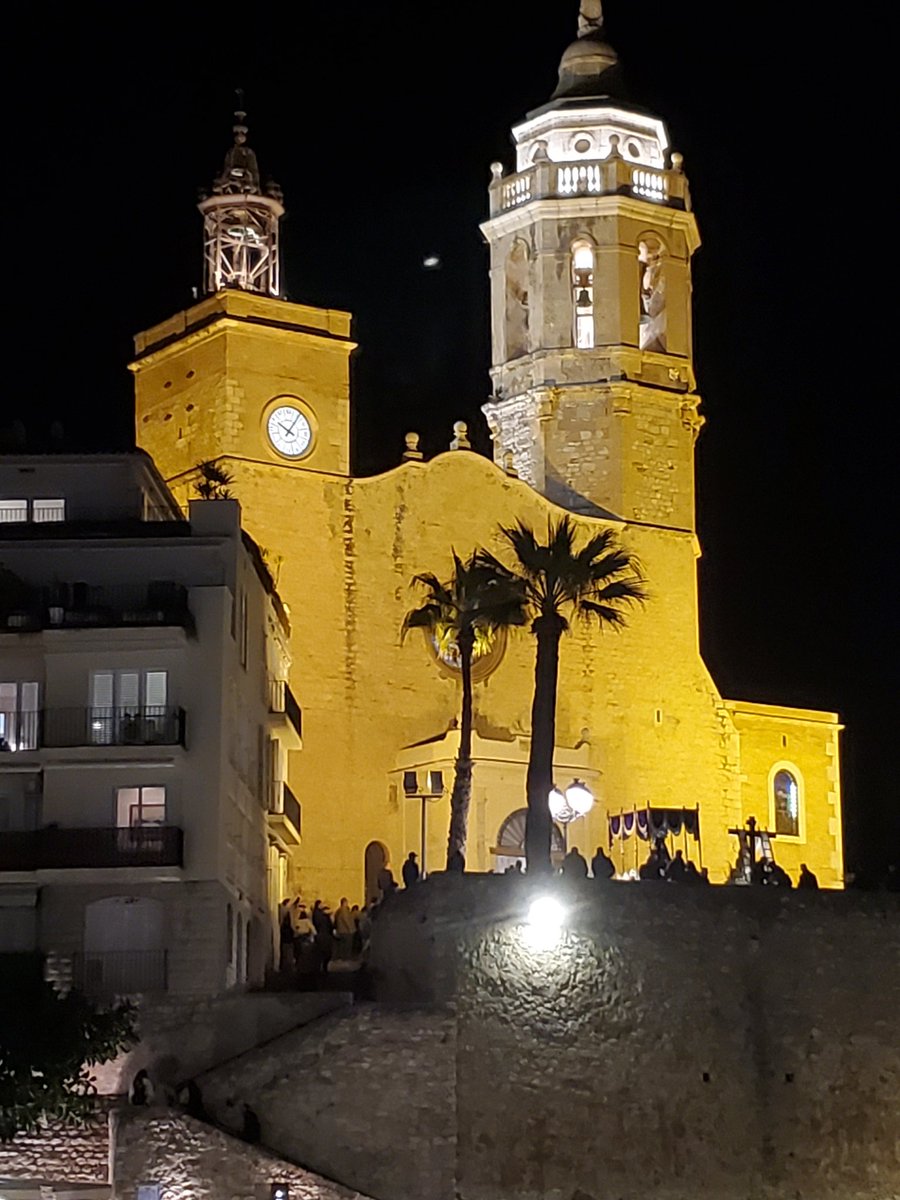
pixel 282 700
pixel 601 177
pixel 152 725
pixel 291 807
pixel 54 847
pixel 120 972
pixel 84 606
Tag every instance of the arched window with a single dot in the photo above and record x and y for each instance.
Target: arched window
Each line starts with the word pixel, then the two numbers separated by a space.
pixel 517 268
pixel 651 259
pixel 786 802
pixel 583 294
pixel 229 935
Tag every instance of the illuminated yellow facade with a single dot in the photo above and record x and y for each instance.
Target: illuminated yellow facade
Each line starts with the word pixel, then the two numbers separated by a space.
pixel 594 412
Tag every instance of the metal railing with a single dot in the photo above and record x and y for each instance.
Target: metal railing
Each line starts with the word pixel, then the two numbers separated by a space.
pixel 152 725
pixel 55 847
pixel 19 730
pixel 120 972
pixel 85 606
pixel 291 807
pixel 282 700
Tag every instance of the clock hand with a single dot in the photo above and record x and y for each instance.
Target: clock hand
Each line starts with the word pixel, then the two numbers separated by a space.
pixel 288 429
pixel 296 419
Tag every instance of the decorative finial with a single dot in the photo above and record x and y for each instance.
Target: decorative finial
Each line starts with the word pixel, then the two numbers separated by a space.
pixel 496 170
pixel 590 17
pixel 509 464
pixel 614 151
pixel 677 161
pixel 460 436
pixel 412 451
pixel 240 116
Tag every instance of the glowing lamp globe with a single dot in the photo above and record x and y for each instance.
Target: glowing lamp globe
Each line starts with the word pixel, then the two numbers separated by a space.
pixel 579 798
pixel 558 806
pixel 544 925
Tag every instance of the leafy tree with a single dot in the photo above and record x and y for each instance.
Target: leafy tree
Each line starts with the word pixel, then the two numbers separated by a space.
pixel 466 613
pixel 48 1043
pixel 214 482
pixel 596 582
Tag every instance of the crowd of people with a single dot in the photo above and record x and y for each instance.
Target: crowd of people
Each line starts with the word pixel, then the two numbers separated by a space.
pixel 312 936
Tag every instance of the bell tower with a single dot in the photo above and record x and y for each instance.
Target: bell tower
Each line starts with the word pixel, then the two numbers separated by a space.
pixel 591 241
pixel 244 377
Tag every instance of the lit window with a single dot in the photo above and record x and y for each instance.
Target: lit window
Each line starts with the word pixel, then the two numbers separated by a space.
pixel 787 804
pixel 12 511
pixel 140 806
pixel 48 510
pixel 583 294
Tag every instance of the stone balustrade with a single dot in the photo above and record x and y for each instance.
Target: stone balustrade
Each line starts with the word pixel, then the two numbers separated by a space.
pixel 546 180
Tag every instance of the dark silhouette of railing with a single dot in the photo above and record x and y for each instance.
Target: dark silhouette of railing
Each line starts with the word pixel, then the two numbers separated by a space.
pixel 291 807
pixel 120 972
pixel 55 847
pixel 152 725
pixel 282 700
pixel 83 606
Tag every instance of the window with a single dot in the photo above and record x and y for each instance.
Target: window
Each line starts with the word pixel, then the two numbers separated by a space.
pixel 244 629
pixel 786 799
pixel 126 706
pixel 517 284
pixel 229 935
pixel 19 716
pixel 41 510
pixel 583 294
pixel 148 1191
pixel 138 806
pixel 48 510
pixel 12 511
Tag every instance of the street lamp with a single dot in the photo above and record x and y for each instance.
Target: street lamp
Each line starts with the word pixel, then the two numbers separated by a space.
pixel 577 801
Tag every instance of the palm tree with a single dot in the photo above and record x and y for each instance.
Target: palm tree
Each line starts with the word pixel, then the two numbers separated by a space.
pixel 596 583
pixel 466 614
pixel 213 482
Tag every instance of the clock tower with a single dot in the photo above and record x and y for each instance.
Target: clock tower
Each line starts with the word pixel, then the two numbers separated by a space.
pixel 245 377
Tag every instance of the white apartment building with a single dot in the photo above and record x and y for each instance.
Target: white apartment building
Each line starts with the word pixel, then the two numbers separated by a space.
pixel 146 826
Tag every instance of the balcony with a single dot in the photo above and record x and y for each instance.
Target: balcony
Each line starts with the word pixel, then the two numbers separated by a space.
pixel 149 726
pixel 284 813
pixel 548 180
pixel 54 848
pixel 120 972
pixel 284 708
pixel 84 606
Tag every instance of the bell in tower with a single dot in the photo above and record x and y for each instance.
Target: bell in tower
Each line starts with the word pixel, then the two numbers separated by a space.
pixel 240 223
pixel 591 240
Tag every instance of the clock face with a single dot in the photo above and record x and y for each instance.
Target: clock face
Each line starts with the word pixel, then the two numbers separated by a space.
pixel 289 431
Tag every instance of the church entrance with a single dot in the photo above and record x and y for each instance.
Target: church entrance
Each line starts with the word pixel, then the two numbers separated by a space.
pixel 377 859
pixel 510 848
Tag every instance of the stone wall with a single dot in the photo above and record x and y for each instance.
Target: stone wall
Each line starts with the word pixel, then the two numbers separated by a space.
pixel 366 1096
pixel 192 1161
pixel 721 1043
pixel 59 1154
pixel 182 1038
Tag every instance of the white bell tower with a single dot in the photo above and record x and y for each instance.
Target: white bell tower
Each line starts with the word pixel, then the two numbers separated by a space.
pixel 591 241
pixel 240 223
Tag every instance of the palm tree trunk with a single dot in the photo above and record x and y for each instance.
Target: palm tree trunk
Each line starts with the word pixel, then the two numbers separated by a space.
pixel 548 630
pixel 462 779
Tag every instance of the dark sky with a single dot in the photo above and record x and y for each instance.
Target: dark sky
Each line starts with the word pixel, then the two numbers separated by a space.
pixel 380 121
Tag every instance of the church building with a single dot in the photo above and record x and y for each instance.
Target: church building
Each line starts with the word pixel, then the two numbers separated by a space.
pixel 594 412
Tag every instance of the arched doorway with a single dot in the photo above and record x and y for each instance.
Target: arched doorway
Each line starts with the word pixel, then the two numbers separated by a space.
pixel 124 946
pixel 510 847
pixel 377 858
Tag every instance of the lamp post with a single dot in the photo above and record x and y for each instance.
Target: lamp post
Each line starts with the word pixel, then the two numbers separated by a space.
pixel 566 807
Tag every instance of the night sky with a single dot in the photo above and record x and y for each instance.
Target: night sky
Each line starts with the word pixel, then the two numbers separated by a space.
pixel 380 122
